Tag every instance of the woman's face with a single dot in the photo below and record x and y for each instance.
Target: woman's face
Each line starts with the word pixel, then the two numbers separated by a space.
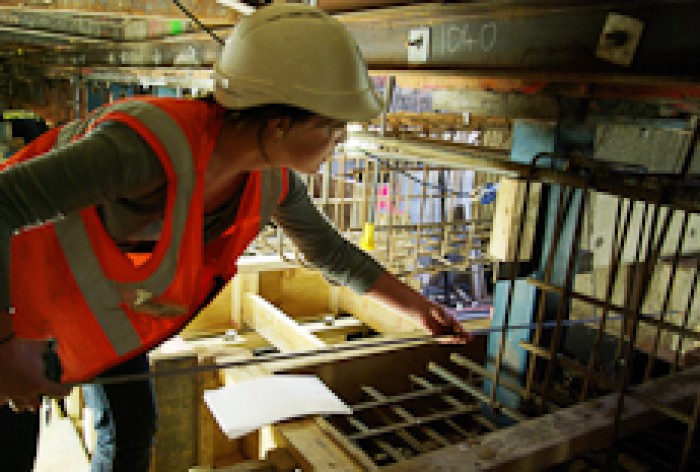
pixel 303 146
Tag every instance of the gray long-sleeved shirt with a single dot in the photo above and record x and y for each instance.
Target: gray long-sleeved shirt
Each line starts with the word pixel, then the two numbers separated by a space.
pixel 114 168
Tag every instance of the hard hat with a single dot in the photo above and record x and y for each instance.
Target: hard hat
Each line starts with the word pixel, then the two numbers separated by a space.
pixel 295 54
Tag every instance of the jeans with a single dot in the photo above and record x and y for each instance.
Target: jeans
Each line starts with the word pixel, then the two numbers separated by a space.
pixel 125 420
pixel 18 440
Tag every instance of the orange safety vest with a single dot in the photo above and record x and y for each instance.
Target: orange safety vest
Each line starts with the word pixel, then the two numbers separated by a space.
pixel 70 281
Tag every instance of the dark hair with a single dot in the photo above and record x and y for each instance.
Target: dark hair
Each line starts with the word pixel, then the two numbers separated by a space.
pixel 262 113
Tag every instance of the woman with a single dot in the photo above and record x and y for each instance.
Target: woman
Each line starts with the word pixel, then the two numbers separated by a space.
pixel 145 207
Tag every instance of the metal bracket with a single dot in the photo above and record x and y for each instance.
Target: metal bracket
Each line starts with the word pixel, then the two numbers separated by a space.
pixel 619 39
pixel 418 44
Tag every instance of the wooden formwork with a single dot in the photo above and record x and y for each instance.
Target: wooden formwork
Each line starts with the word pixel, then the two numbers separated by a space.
pixel 272 304
pixel 417 407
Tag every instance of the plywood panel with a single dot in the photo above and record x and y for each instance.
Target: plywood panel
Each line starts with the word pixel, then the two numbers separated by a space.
pixel 507 217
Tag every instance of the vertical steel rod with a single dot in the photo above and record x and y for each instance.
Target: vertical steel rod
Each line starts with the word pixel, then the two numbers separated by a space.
pixel 564 299
pixel 667 296
pixel 562 210
pixel 617 252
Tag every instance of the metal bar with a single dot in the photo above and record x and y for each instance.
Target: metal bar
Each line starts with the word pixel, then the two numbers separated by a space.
pixel 486 423
pixel 562 305
pixel 459 383
pixel 682 194
pixel 686 318
pixel 435 436
pixel 565 362
pixel 452 401
pixel 636 304
pixel 417 421
pixel 390 400
pixel 617 308
pixel 685 419
pixel 688 444
pixel 617 249
pixel 562 209
pixel 395 454
pixel 400 412
pixel 669 289
pixel 351 448
pixel 357 424
pixel 469 364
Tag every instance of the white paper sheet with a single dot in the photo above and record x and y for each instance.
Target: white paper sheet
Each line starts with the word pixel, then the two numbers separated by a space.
pixel 247 405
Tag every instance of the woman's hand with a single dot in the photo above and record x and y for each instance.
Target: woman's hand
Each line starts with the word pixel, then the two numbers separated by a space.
pixel 438 322
pixel 22 376
pixel 391 291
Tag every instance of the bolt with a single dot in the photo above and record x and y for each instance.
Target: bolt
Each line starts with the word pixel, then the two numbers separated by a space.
pixel 617 38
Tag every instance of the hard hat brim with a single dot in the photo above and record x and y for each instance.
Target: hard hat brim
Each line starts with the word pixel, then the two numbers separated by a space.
pixel 358 106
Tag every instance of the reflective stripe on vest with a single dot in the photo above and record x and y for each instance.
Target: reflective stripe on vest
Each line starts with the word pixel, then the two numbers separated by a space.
pixel 100 293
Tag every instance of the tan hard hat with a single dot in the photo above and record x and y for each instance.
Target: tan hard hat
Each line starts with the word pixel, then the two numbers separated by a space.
pixel 297 55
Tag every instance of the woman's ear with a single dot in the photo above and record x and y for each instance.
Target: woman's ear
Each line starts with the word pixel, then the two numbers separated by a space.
pixel 277 128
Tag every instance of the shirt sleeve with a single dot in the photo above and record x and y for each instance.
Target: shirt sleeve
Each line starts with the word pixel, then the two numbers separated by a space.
pixel 322 245
pixel 111 161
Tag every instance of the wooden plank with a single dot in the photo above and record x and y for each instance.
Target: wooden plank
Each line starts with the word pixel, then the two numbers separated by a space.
pixel 314 450
pixel 216 316
pixel 376 315
pixel 177 438
pixel 257 443
pixel 274 325
pixel 557 437
pixel 303 292
pixel 507 217
pixel 213 443
pixel 243 283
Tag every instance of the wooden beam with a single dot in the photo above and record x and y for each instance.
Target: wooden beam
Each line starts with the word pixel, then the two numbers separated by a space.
pixel 376 315
pixel 313 449
pixel 506 220
pixel 274 325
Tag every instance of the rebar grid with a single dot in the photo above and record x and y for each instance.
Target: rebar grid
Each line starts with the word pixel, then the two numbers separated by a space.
pixel 647 208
